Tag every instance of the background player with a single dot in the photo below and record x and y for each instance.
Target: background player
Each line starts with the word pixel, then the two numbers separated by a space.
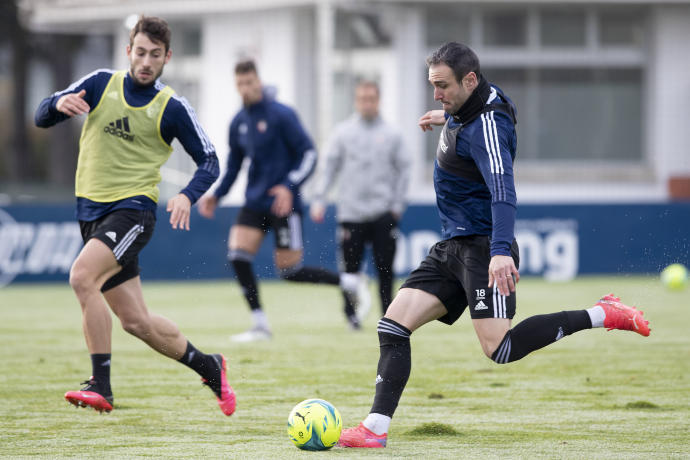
pixel 476 262
pixel 369 158
pixel 132 120
pixel 282 158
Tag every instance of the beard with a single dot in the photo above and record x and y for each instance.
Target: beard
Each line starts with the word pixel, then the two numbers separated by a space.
pixel 138 82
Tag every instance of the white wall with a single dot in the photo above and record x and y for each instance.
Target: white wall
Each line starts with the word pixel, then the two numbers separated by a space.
pixel 269 37
pixel 669 84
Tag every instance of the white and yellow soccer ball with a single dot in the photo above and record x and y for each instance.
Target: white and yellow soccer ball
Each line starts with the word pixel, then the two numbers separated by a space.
pixel 314 424
pixel 675 277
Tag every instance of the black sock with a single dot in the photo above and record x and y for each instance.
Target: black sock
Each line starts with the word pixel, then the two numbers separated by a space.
pixel 385 290
pixel 394 366
pixel 204 365
pixel 349 305
pixel 100 366
pixel 539 331
pixel 310 275
pixel 247 279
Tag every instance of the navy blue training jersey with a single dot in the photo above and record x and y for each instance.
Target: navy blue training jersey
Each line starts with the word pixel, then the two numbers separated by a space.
pixel 473 177
pixel 178 122
pixel 271 136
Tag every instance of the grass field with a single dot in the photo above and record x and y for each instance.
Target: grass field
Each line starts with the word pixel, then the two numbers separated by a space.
pixel 595 394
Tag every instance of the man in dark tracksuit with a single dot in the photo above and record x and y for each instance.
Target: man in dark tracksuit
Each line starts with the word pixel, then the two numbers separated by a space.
pixel 475 265
pixel 282 158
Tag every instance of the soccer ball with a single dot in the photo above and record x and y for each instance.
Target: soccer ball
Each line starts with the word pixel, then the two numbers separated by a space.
pixel 314 424
pixel 675 277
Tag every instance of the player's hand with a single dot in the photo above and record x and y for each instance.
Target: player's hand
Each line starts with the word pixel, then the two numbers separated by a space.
pixel 73 104
pixel 317 211
pixel 179 208
pixel 432 117
pixel 207 206
pixel 282 200
pixel 504 274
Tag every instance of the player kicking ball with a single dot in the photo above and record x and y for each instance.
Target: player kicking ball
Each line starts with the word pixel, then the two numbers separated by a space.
pixel 475 265
pixel 132 120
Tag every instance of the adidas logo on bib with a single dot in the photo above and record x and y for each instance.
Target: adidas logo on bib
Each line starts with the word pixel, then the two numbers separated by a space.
pixel 120 128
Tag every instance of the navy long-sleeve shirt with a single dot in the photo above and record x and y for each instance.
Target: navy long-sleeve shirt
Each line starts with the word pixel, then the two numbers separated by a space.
pixel 475 187
pixel 281 152
pixel 179 121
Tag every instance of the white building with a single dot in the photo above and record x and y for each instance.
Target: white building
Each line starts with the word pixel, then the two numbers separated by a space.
pixel 601 86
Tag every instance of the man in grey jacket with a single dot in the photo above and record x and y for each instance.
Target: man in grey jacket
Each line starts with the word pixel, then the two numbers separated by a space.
pixel 373 168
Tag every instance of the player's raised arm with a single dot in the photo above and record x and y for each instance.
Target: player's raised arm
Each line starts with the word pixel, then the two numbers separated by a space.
pixel 79 98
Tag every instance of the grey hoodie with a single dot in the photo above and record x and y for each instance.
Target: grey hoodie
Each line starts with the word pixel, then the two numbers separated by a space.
pixel 372 166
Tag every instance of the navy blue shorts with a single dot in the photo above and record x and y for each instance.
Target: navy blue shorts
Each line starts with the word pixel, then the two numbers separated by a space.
pixel 125 232
pixel 288 229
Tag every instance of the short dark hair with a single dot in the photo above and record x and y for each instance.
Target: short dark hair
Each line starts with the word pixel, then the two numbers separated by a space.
pixel 155 28
pixel 245 66
pixel 460 58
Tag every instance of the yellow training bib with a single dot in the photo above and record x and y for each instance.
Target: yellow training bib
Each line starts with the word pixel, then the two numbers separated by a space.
pixel 121 149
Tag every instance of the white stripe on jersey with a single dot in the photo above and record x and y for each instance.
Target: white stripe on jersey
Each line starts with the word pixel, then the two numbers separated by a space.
pixel 494 151
pixel 486 143
pixel 296 176
pixel 205 141
pixel 74 85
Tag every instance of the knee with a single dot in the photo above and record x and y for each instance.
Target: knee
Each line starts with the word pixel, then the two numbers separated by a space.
pixel 81 280
pixel 490 345
pixel 137 325
pixel 289 273
pixel 240 255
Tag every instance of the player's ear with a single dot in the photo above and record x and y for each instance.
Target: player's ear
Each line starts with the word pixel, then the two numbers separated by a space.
pixel 168 55
pixel 470 81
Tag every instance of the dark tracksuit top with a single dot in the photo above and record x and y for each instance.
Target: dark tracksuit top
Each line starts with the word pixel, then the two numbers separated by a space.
pixel 473 176
pixel 271 136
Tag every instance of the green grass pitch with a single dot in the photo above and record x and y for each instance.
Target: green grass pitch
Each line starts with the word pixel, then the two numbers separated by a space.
pixel 595 394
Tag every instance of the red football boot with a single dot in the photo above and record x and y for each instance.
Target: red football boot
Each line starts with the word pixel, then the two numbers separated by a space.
pixel 623 317
pixel 90 396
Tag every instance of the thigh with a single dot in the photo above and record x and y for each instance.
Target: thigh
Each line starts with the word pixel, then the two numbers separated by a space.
pixel 249 230
pixel 351 243
pixel 125 232
pixel 95 262
pixel 413 308
pixel 436 276
pixel 288 231
pixel 246 238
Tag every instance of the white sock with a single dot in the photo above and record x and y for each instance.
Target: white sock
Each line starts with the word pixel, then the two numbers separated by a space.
pixel 349 281
pixel 260 319
pixel 597 315
pixel 378 423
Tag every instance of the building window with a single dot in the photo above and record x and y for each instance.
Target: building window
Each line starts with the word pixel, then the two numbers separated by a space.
pixel 576 75
pixel 622 27
pixel 504 28
pixel 562 28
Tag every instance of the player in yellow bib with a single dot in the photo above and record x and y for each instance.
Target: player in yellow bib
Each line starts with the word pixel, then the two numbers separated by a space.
pixel 132 119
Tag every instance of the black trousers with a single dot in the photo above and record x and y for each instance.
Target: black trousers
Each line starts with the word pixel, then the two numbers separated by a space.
pixel 382 234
